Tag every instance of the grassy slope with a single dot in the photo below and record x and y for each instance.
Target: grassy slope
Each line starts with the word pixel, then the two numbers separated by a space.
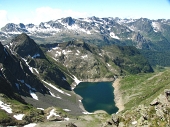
pixel 143 88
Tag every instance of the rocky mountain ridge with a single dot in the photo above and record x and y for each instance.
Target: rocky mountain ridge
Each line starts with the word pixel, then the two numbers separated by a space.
pixel 142 33
pixel 42 76
pixel 150 36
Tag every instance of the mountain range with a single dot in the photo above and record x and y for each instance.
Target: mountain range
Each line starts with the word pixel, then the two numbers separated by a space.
pixel 150 36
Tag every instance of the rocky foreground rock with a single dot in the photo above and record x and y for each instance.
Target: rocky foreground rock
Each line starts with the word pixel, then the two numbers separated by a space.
pixel 157 114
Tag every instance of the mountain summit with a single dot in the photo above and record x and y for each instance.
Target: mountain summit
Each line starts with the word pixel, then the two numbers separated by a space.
pixel 25 46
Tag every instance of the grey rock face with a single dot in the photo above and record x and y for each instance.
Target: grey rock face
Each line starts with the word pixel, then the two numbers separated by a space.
pixel 68 21
pixel 25 46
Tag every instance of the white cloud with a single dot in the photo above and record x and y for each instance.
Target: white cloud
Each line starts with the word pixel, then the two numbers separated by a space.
pixel 3 18
pixel 46 13
pixel 42 14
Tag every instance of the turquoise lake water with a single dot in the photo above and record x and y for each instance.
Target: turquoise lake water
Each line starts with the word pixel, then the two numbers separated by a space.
pixel 97 96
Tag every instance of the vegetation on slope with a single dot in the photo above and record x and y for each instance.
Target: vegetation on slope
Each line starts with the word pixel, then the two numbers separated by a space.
pixel 145 99
pixel 143 88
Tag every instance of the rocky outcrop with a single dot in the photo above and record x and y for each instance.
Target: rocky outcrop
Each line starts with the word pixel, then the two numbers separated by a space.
pixel 15 71
pixel 27 50
pixel 68 21
pixel 167 94
pixel 71 125
pixel 157 114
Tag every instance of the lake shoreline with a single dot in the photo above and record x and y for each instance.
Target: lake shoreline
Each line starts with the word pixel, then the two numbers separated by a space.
pixel 99 80
pixel 118 95
pixel 79 98
pixel 74 84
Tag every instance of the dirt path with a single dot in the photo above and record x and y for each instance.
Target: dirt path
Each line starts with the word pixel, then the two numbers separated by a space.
pixel 155 76
pixel 117 95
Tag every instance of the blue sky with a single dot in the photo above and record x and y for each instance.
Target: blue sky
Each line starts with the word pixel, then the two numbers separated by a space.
pixel 36 11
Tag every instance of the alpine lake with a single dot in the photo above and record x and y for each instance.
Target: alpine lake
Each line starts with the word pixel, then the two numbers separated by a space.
pixel 97 96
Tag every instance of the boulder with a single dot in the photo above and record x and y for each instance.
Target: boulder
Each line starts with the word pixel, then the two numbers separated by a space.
pixel 55 118
pixel 155 102
pixel 71 125
pixel 167 94
pixel 115 119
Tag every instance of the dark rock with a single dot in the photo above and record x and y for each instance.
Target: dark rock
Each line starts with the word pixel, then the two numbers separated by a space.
pixel 42 26
pixel 71 125
pixel 22 25
pixel 68 21
pixel 167 94
pixel 115 119
pixel 154 102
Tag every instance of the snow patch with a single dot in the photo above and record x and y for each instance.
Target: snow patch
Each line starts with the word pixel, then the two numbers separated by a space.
pixel 33 95
pixel 5 107
pixel 30 125
pixel 40 108
pixel 31 68
pixel 66 52
pixel 56 88
pixel 52 112
pixel 53 87
pixel 78 51
pixel 87 20
pixel 134 122
pixel 67 94
pixel 36 70
pixel 100 54
pixel 67 110
pixel 156 26
pixel 54 95
pixel 108 64
pixel 36 55
pixel 18 116
pixel 59 97
pixel 112 35
pixel 85 56
pixel 55 48
pixel 67 119
pixel 76 80
pixel 14 32
pixel 58 53
pixel 87 113
pixel 88 32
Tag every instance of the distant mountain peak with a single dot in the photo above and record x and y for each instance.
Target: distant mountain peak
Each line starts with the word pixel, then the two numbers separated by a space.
pixel 68 20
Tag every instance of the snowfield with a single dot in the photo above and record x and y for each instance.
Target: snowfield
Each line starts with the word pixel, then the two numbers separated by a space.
pixel 59 90
pixel 5 107
pixel 19 116
pixel 52 112
pixel 112 35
